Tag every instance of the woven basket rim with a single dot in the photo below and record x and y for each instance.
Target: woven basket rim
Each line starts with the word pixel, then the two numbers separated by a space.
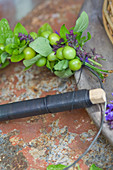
pixel 108 24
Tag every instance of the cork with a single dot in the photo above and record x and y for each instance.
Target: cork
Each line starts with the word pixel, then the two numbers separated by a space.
pixel 97 96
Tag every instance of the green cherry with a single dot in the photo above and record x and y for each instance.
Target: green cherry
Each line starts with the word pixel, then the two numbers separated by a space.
pixel 29 53
pixel 41 62
pixel 75 64
pixel 53 38
pixel 59 53
pixel 52 56
pixel 45 34
pixel 69 52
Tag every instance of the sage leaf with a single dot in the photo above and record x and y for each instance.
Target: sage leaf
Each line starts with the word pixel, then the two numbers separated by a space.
pixel 48 65
pixel 8 41
pixel 9 49
pixel 5 31
pixel 64 73
pixel 63 32
pixel 61 65
pixel 19 28
pixel 26 68
pixel 44 27
pixel 30 62
pixel 81 23
pixel 22 48
pixel 17 58
pixel 5 64
pixel 41 45
pixel 4 56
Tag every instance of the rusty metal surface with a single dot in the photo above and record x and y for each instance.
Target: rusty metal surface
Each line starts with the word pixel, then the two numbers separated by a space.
pixel 35 142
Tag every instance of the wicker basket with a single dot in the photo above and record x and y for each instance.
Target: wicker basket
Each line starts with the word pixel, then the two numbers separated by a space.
pixel 108 18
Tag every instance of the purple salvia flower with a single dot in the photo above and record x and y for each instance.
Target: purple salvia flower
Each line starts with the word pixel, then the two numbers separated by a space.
pixel 20 35
pixel 57 32
pixel 71 32
pixel 109 114
pixel 25 37
pixel 59 44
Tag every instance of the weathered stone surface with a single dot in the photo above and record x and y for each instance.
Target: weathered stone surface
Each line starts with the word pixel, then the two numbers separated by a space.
pixel 102 44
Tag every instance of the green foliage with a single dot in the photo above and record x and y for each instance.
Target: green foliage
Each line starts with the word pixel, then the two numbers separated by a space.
pixel 5 64
pixel 19 28
pixel 64 73
pixel 17 58
pixel 94 167
pixel 22 48
pixel 56 167
pixel 81 23
pixel 63 32
pixel 4 56
pixel 5 31
pixel 61 65
pixel 84 39
pixel 32 61
pixel 61 167
pixel 44 27
pixel 41 45
pixel 9 49
pixel 48 65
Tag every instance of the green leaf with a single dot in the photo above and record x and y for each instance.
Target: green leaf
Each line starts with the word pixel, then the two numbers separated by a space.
pixel 94 167
pixel 15 40
pixel 88 37
pixel 48 65
pixel 4 56
pixel 61 65
pixel 17 58
pixel 41 45
pixel 5 64
pixel 56 167
pixel 82 22
pixel 45 27
pixel 5 31
pixel 9 49
pixel 30 62
pixel 78 37
pixel 19 28
pixel 34 35
pixel 84 39
pixel 64 73
pixel 22 48
pixel 15 51
pixel 22 43
pixel 8 41
pixel 26 68
pixel 63 32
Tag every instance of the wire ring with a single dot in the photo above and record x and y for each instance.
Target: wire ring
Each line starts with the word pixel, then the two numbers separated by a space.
pixel 101 125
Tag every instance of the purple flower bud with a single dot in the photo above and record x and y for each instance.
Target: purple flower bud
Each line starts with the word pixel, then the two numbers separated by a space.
pixel 71 32
pixel 57 32
pixel 109 116
pixel 27 38
pixel 20 34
